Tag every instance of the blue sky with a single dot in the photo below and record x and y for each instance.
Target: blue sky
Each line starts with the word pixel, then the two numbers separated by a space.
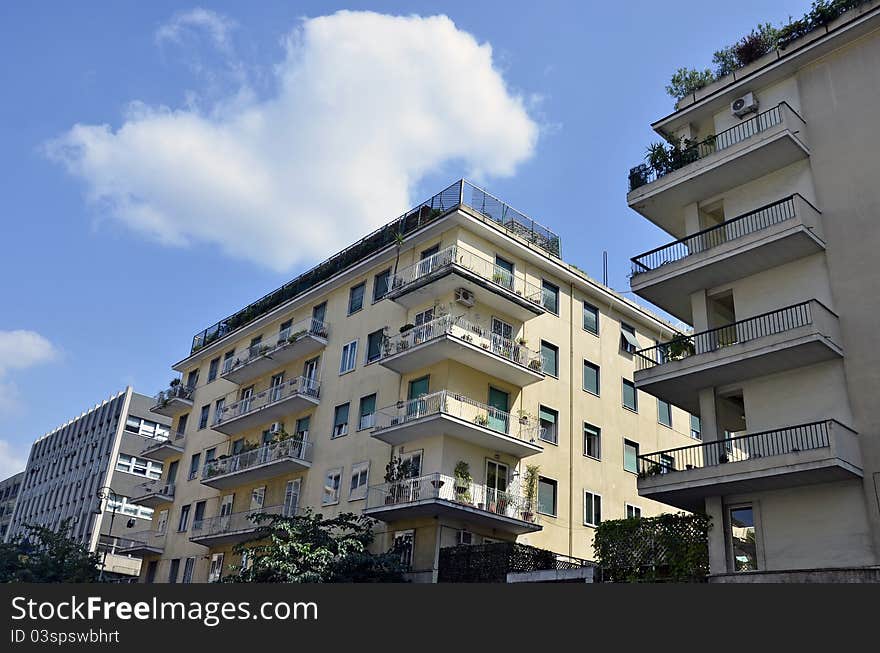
pixel 112 262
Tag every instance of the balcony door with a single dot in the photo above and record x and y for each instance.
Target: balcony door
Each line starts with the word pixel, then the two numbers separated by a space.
pixel 423 328
pixel 226 511
pixel 310 372
pixel 416 406
pixel 503 274
pixel 275 391
pixel 291 497
pixel 319 313
pixel 498 407
pixel 497 475
pixel 246 399
pixel 502 338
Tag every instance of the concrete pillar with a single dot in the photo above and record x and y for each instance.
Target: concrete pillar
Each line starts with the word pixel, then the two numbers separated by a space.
pixel 717 544
pixel 692 219
pixel 709 430
pixel 699 311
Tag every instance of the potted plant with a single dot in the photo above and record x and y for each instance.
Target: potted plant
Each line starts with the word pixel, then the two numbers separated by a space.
pixel 463 481
pixel 530 491
pixel 174 382
pixel 397 472
pixel 535 364
pixel 481 420
pixel 407 327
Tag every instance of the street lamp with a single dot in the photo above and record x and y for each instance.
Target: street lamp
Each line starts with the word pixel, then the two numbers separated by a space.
pixel 106 493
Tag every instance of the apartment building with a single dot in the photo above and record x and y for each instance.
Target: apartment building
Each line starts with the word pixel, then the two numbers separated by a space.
pixel 9 489
pixel 88 471
pixel 455 343
pixel 774 202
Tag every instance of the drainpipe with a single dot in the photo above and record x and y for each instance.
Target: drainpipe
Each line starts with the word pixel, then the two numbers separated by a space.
pixel 571 420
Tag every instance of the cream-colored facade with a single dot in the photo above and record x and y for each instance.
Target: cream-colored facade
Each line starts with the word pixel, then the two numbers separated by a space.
pixel 776 216
pixel 464 381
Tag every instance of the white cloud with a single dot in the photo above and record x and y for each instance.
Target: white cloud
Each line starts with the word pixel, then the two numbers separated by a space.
pixel 217 26
pixel 12 459
pixel 19 350
pixel 366 105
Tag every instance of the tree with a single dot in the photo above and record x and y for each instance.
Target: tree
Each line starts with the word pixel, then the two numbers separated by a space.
pixel 47 556
pixel 688 81
pixel 310 549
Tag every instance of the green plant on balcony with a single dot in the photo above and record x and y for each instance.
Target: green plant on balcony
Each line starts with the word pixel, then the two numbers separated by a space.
pixel 296 336
pixel 678 348
pixel 463 480
pixel 535 364
pixel 174 382
pixel 481 420
pixel 397 472
pixel 530 491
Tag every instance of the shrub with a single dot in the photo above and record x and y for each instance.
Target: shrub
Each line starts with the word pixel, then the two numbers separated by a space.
pixel 688 81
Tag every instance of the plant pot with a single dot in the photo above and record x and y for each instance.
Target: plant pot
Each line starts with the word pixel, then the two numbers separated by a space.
pixel 527 516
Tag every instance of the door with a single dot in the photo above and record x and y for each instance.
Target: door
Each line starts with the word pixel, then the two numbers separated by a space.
pixel 416 406
pixel 225 511
pixel 498 405
pixel 275 387
pixel 291 497
pixel 319 312
pixel 216 570
pixel 413 489
pixel 310 373
pixel 496 486
pixel 258 495
pixel 503 274
pixel 162 521
pixel 246 399
pixel 502 338
pixel 423 330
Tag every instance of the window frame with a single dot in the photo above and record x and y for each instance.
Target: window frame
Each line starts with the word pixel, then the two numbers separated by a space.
pixel 627 441
pixel 555 350
pixel 347 406
pixel 351 348
pixel 598 434
pixel 351 294
pixel 598 369
pixel 335 471
pixel 555 484
pixel 544 284
pixel 361 415
pixel 588 307
pixel 357 469
pixel 376 276
pixel 625 383
pixel 660 421
pixel 626 508
pixel 594 523
pixel 555 440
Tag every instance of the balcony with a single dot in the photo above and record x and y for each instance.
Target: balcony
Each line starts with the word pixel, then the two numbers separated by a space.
pixel 448 338
pixel 230 529
pixel 751 243
pixel 788 457
pixel 751 149
pixel 153 494
pixel 295 342
pixel 456 267
pixel 788 338
pixel 173 401
pixel 438 495
pixel 143 543
pixel 268 461
pixel 270 405
pixel 163 449
pixel 452 414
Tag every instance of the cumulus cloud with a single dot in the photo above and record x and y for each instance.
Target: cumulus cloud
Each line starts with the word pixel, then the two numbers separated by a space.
pixel 217 27
pixel 365 105
pixel 19 350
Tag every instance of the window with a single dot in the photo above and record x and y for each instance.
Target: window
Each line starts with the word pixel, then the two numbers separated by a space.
pixel 381 284
pixel 340 420
pixel 192 379
pixel 360 476
pixel 628 342
pixel 550 358
pixel 633 512
pixel 188 570
pixel 331 487
pixel 174 570
pixel 199 514
pixel 374 345
pixel 550 297
pixel 213 368
pixel 216 571
pixel 591 318
pixel 203 416
pixel 403 544
pixel 664 413
pixel 219 407
pixel 367 412
pixel 743 541
pixel 302 428
pixel 183 522
pixel 138 466
pixel 549 429
pixel 631 456
pixel 592 509
pixel 503 274
pixel 592 441
pixel 194 466
pixel 356 298
pixel 162 521
pixel 591 378
pixel 696 427
pixel 349 357
pixel 181 424
pixel 546 496
pixel 630 396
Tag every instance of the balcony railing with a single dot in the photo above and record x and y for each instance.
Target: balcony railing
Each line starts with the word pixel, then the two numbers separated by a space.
pixel 458 327
pixel 484 268
pixel 792 439
pixel 288 336
pixel 446 488
pixel 760 326
pixel 701 241
pixel 643 174
pixel 296 386
pixel 456 405
pixel 291 448
pixel 232 523
pixel 142 539
pixel 179 391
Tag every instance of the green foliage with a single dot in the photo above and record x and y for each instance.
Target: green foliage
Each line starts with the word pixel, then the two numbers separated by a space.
pixel 670 548
pixel 46 556
pixel 310 549
pixel 687 81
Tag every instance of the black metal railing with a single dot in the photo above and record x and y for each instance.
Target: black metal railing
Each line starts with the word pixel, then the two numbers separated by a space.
pixel 726 231
pixel 461 193
pixel 792 439
pixel 760 326
pixel 680 157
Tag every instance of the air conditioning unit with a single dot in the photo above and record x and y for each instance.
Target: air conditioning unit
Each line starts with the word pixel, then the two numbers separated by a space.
pixel 465 537
pixel 275 428
pixel 742 106
pixel 464 296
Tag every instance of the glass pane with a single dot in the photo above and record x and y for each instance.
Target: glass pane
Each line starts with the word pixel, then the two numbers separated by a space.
pixel 743 542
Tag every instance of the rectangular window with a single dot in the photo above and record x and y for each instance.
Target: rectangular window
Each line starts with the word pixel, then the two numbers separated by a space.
pixel 549 419
pixel 374 345
pixel 331 487
pixel 194 466
pixel 743 538
pixel 340 420
pixel 630 396
pixel 547 496
pixel 550 358
pixel 219 407
pixel 664 413
pixel 213 368
pixel 631 456
pixel 367 412
pixel 203 416
pixel 550 297
pixel 696 427
pixel 228 359
pixel 592 509
pixel 349 357
pixel 216 571
pixel 360 476
pixel 591 318
pixel 591 378
pixel 183 522
pixel 592 441
pixel 302 428
pixel 173 570
pixel 380 284
pixel 188 570
pixel 356 298
pixel 633 512
pixel 403 544
pixel 199 514
pixel 628 342
pixel 181 424
pixel 503 274
pixel 192 379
